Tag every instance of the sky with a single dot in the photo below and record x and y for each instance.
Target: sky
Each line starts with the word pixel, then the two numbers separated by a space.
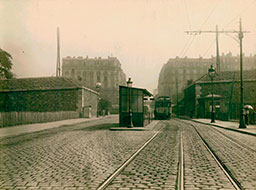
pixel 142 34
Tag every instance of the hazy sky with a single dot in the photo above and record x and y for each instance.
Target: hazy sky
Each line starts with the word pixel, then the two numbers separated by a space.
pixel 142 34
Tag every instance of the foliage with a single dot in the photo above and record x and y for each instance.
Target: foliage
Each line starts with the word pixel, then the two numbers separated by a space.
pixel 5 65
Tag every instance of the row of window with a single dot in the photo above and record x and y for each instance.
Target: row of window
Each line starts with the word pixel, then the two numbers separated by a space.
pixel 192 64
pixel 95 63
pixel 85 73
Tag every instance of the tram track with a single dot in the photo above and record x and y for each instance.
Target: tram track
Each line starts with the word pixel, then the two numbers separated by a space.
pixel 231 138
pixel 191 171
pixel 105 184
pixel 223 167
pixel 236 184
pixel 180 175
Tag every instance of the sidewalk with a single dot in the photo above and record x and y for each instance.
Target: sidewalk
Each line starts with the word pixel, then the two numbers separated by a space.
pixel 234 126
pixel 29 128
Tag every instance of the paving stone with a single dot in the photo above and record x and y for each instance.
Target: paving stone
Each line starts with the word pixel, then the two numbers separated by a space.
pixel 150 169
pixel 236 150
pixel 81 155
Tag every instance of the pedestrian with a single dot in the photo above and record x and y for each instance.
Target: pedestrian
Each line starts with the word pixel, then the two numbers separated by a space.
pixel 247 112
pixel 253 116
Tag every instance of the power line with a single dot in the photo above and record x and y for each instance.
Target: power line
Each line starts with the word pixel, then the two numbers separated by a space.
pixel 188 44
pixel 239 15
pixel 217 32
pixel 204 54
pixel 212 11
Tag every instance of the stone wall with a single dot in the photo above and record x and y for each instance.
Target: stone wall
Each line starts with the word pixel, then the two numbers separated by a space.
pixel 39 100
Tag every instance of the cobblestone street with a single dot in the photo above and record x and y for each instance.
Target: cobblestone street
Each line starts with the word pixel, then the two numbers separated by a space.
pixel 201 170
pixel 237 152
pixel 69 157
pixel 83 156
pixel 156 165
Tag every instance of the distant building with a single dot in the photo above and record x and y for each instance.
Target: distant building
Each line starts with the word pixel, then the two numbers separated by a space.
pixel 43 99
pixel 226 90
pixel 90 71
pixel 178 73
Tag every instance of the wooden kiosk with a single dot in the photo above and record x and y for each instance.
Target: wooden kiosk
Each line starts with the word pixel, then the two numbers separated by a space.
pixel 131 106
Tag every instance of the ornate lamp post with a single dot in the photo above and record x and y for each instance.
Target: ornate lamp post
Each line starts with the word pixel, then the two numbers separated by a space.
pixel 211 73
pixel 129 85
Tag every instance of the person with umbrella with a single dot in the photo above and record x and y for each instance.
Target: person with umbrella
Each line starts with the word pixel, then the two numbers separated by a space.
pixel 249 118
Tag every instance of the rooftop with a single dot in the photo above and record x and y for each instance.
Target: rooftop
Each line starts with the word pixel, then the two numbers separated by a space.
pixel 229 76
pixel 39 83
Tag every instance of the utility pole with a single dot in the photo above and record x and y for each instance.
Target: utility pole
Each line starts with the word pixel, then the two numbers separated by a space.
pixel 58 54
pixel 240 37
pixel 177 96
pixel 217 50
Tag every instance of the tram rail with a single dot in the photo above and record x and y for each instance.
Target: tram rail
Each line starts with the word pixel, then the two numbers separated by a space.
pixel 126 163
pixel 180 178
pixel 181 167
pixel 231 138
pixel 236 184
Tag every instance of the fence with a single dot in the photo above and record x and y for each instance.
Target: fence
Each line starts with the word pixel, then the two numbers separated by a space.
pixel 18 118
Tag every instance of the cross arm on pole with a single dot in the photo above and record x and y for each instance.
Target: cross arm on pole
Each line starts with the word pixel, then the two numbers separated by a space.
pixel 198 32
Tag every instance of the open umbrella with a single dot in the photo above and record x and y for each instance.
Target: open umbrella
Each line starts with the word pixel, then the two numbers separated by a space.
pixel 248 107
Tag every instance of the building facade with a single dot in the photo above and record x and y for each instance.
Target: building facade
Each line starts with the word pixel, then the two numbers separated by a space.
pixel 226 92
pixel 178 73
pixel 92 71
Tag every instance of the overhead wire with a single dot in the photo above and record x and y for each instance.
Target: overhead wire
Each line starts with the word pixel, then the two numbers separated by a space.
pixel 241 12
pixel 212 11
pixel 188 45
pixel 210 46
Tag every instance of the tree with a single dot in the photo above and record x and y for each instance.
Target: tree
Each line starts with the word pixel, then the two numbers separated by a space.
pixel 5 65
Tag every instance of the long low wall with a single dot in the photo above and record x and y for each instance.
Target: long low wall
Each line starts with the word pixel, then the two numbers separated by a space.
pixel 19 118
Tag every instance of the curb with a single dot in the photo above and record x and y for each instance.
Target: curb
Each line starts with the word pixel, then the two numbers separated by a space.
pixel 219 126
pixel 53 127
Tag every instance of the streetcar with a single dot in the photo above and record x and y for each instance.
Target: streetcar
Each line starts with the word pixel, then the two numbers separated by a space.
pixel 163 107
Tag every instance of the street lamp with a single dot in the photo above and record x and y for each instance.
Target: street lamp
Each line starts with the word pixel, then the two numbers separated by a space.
pixel 129 85
pixel 211 73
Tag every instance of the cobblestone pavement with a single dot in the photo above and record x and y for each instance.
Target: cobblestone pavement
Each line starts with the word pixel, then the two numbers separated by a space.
pixel 82 156
pixel 72 157
pixel 247 140
pixel 201 170
pixel 234 154
pixel 155 167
